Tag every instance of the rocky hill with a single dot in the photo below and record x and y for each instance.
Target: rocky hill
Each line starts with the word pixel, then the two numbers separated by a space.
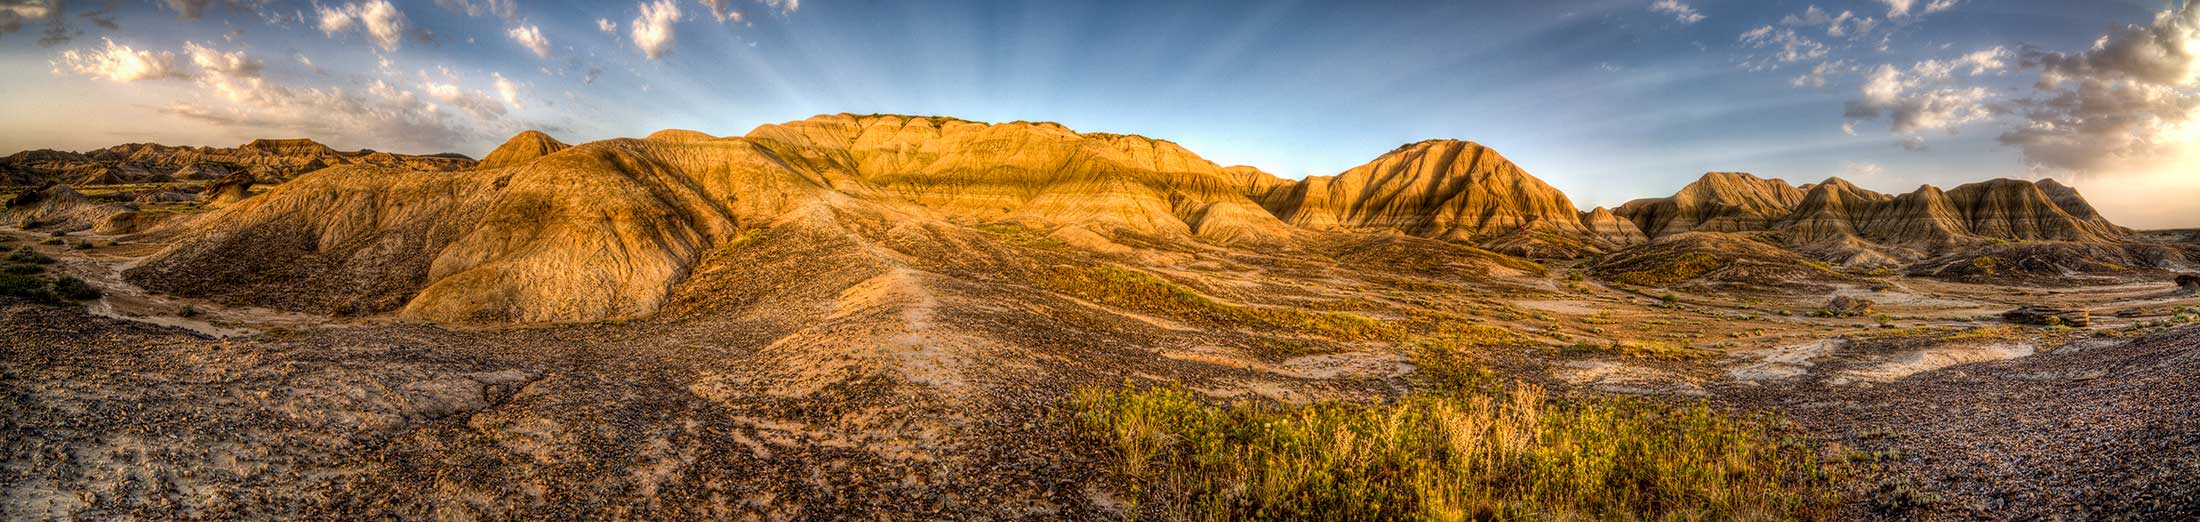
pixel 543 231
pixel 266 159
pixel 1444 189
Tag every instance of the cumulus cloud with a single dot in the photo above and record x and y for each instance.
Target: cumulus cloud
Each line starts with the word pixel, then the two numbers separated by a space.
pixel 607 26
pixel 652 31
pixel 383 23
pixel 530 36
pixel 2126 103
pixel 1844 25
pixel 1680 11
pixel 1821 73
pixel 215 61
pixel 480 104
pixel 1899 9
pixel 14 14
pixel 723 11
pixel 1915 102
pixel 117 62
pixel 503 8
pixel 507 90
pixel 1784 45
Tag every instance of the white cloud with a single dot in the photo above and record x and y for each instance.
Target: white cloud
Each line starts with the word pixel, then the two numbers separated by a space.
pixel 213 61
pixel 1986 61
pixel 2127 104
pixel 1680 11
pixel 117 62
pixel 507 90
pixel 786 6
pixel 723 11
pixel 1844 25
pixel 1898 8
pixel 607 26
pixel 531 37
pixel 1915 103
pixel 1786 46
pixel 502 8
pixel 383 23
pixel 1822 72
pixel 652 31
pixel 480 104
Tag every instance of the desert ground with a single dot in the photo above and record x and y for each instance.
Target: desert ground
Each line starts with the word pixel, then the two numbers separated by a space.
pixel 886 317
pixel 125 407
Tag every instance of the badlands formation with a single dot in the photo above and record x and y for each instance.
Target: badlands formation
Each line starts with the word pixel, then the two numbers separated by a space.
pixel 879 315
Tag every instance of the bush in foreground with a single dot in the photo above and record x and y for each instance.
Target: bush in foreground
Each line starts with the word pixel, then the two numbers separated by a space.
pixel 1457 449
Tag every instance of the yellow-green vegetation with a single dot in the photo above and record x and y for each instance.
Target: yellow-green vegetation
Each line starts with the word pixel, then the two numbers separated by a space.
pixel 1015 234
pixel 1669 272
pixel 1946 333
pixel 1116 286
pixel 1457 448
pixel 1986 265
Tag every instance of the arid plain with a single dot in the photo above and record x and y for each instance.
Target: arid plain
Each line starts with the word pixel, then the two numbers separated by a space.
pixel 881 316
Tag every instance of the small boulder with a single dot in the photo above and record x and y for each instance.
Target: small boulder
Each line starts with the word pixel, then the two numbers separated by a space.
pixel 2049 316
pixel 2189 282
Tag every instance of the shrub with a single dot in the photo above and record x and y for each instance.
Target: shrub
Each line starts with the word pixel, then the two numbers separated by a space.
pixel 1479 453
pixel 71 288
pixel 27 287
pixel 26 255
pixel 21 269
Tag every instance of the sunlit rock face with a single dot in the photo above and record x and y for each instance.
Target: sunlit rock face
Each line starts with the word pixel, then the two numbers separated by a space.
pixel 1444 189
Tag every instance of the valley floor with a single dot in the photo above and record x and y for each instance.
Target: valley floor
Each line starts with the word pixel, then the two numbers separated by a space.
pixel 926 396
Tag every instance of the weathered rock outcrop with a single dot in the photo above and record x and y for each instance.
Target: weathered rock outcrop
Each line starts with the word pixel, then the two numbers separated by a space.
pixel 152 163
pixel 607 229
pixel 1023 171
pixel 521 148
pixel 1719 202
pixel 1609 227
pixel 229 189
pixel 1443 189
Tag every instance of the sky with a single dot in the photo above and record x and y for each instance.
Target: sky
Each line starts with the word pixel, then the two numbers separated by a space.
pixel 1608 100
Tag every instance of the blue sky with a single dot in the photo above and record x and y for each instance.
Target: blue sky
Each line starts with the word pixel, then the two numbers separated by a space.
pixel 1608 100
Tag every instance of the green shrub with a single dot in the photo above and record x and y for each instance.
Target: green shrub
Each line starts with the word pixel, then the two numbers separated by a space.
pixel 27 287
pixel 71 288
pixel 22 269
pixel 1679 269
pixel 1472 453
pixel 26 255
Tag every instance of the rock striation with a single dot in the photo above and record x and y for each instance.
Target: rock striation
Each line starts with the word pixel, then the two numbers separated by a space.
pixel 522 148
pixel 1443 189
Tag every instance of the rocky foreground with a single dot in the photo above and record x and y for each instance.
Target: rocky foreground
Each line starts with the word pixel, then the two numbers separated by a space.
pixel 864 316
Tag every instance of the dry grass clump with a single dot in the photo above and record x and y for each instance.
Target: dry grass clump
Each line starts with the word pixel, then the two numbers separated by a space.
pixel 1465 454
pixel 1667 273
pixel 1131 289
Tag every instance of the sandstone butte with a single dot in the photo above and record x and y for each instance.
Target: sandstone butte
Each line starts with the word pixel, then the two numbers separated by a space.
pixel 544 232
